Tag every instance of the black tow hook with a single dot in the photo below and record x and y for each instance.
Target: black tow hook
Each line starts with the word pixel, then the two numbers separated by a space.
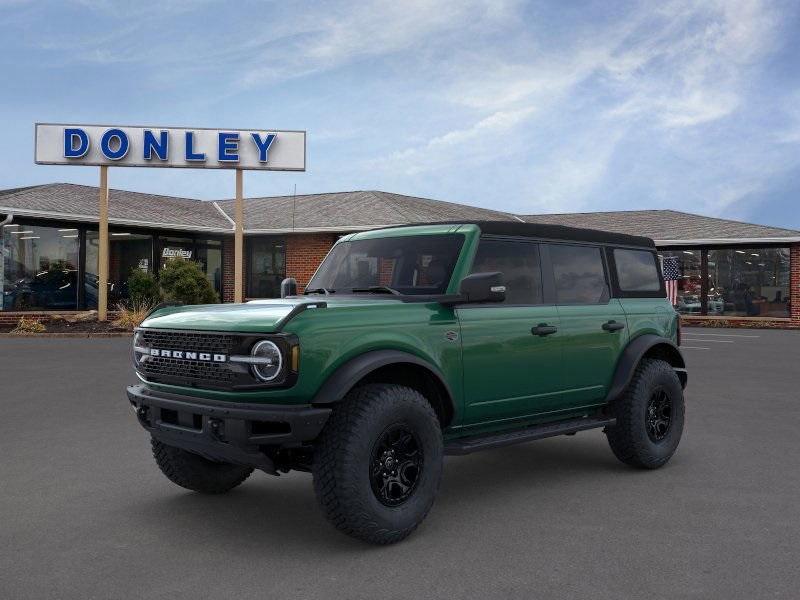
pixel 142 413
pixel 215 427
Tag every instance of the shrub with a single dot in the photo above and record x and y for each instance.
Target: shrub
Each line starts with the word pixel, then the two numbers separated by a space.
pixel 184 281
pixel 143 288
pixel 25 325
pixel 132 314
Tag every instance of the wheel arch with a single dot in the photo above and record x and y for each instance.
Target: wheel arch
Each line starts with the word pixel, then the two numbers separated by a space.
pixel 390 366
pixel 645 346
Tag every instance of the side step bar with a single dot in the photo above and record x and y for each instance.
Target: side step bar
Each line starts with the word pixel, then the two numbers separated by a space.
pixel 468 445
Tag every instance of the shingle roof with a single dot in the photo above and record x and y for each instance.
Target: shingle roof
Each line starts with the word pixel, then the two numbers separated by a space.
pixel 80 202
pixel 666 225
pixel 343 211
pixel 353 211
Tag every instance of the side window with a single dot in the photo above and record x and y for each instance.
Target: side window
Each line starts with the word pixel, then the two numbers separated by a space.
pixel 637 270
pixel 519 263
pixel 579 274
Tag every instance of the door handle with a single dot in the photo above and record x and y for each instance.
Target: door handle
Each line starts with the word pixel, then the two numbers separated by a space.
pixel 543 329
pixel 613 326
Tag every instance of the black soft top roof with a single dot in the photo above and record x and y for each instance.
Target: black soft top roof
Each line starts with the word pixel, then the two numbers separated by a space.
pixel 552 232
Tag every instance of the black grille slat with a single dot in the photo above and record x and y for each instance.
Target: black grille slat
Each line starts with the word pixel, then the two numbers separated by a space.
pixel 194 371
pixel 190 340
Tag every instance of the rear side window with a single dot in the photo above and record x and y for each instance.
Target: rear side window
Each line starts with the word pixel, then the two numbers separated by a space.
pixel 637 271
pixel 519 264
pixel 579 274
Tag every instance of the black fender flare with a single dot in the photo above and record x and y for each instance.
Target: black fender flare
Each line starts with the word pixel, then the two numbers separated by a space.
pixel 633 354
pixel 354 370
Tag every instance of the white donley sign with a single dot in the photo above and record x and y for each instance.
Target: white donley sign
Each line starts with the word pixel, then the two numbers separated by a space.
pixel 181 147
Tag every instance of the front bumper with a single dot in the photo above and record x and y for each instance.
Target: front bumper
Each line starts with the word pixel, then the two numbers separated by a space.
pixel 225 431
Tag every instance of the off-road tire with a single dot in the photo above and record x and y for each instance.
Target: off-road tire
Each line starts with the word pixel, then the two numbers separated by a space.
pixel 629 438
pixel 196 473
pixel 343 459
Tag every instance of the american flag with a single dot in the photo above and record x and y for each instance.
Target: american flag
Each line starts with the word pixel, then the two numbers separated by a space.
pixel 669 266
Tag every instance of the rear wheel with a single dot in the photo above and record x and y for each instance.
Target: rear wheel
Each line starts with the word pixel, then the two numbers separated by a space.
pixel 196 473
pixel 649 417
pixel 378 463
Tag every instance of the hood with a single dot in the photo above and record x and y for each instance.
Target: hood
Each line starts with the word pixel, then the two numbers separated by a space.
pixel 259 316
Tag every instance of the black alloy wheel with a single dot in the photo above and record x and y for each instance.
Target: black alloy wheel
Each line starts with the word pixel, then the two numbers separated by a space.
pixel 649 416
pixel 395 465
pixel 659 415
pixel 378 462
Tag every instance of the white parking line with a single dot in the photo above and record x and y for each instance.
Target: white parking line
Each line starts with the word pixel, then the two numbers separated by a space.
pixel 694 348
pixel 722 335
pixel 705 341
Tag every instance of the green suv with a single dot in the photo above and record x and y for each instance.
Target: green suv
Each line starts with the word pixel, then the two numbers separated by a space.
pixel 408 344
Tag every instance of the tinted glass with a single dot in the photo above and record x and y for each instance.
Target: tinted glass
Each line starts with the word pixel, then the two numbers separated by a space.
pixel 579 274
pixel 637 271
pixel 38 267
pixel 519 264
pixel 266 267
pixel 417 264
pixel 128 251
pixel 749 282
pixel 209 255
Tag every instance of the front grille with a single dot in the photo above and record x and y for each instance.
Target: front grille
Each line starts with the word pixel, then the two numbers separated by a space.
pixel 178 370
pixel 189 340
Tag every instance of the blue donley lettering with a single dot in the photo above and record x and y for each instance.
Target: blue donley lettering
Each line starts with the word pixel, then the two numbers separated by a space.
pixel 115 144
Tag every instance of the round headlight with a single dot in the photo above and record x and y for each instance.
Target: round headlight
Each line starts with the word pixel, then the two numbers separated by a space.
pixel 138 347
pixel 268 360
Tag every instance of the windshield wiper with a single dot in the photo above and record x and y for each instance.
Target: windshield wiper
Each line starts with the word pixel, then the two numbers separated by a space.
pixel 377 289
pixel 319 290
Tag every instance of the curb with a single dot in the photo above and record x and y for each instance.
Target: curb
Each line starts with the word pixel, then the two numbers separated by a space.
pixel 120 334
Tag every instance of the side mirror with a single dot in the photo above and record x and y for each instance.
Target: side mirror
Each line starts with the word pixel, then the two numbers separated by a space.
pixel 288 287
pixel 483 287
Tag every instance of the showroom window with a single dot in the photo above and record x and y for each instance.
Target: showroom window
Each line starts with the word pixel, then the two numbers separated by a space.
pixel 39 267
pixel 209 255
pixel 748 282
pixel 690 279
pixel 128 251
pixel 266 266
pixel 206 252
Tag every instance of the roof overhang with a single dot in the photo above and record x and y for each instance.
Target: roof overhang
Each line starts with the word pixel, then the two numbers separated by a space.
pixel 113 221
pixel 728 241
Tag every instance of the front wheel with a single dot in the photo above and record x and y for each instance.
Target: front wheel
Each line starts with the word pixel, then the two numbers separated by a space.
pixel 196 473
pixel 649 416
pixel 378 463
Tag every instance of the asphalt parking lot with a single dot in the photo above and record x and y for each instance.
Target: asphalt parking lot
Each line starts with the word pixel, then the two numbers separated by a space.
pixel 84 512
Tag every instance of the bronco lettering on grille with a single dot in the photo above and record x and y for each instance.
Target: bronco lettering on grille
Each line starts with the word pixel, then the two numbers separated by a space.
pixel 186 355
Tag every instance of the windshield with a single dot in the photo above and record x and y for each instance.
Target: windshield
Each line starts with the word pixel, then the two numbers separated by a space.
pixel 417 264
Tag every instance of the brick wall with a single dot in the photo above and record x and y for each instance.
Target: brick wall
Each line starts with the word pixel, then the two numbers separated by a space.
pixel 794 283
pixel 227 269
pixel 304 252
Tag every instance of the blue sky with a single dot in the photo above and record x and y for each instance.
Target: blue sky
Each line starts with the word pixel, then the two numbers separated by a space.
pixel 520 106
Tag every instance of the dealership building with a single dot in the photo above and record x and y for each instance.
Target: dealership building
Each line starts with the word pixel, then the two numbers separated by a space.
pixel 738 273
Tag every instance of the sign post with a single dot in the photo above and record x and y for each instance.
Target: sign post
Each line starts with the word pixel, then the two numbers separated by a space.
pixel 175 147
pixel 238 275
pixel 103 253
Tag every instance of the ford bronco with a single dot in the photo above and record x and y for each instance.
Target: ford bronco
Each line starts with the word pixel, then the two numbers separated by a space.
pixel 408 344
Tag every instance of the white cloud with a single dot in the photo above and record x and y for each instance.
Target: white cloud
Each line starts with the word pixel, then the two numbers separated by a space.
pixel 349 32
pixel 476 143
